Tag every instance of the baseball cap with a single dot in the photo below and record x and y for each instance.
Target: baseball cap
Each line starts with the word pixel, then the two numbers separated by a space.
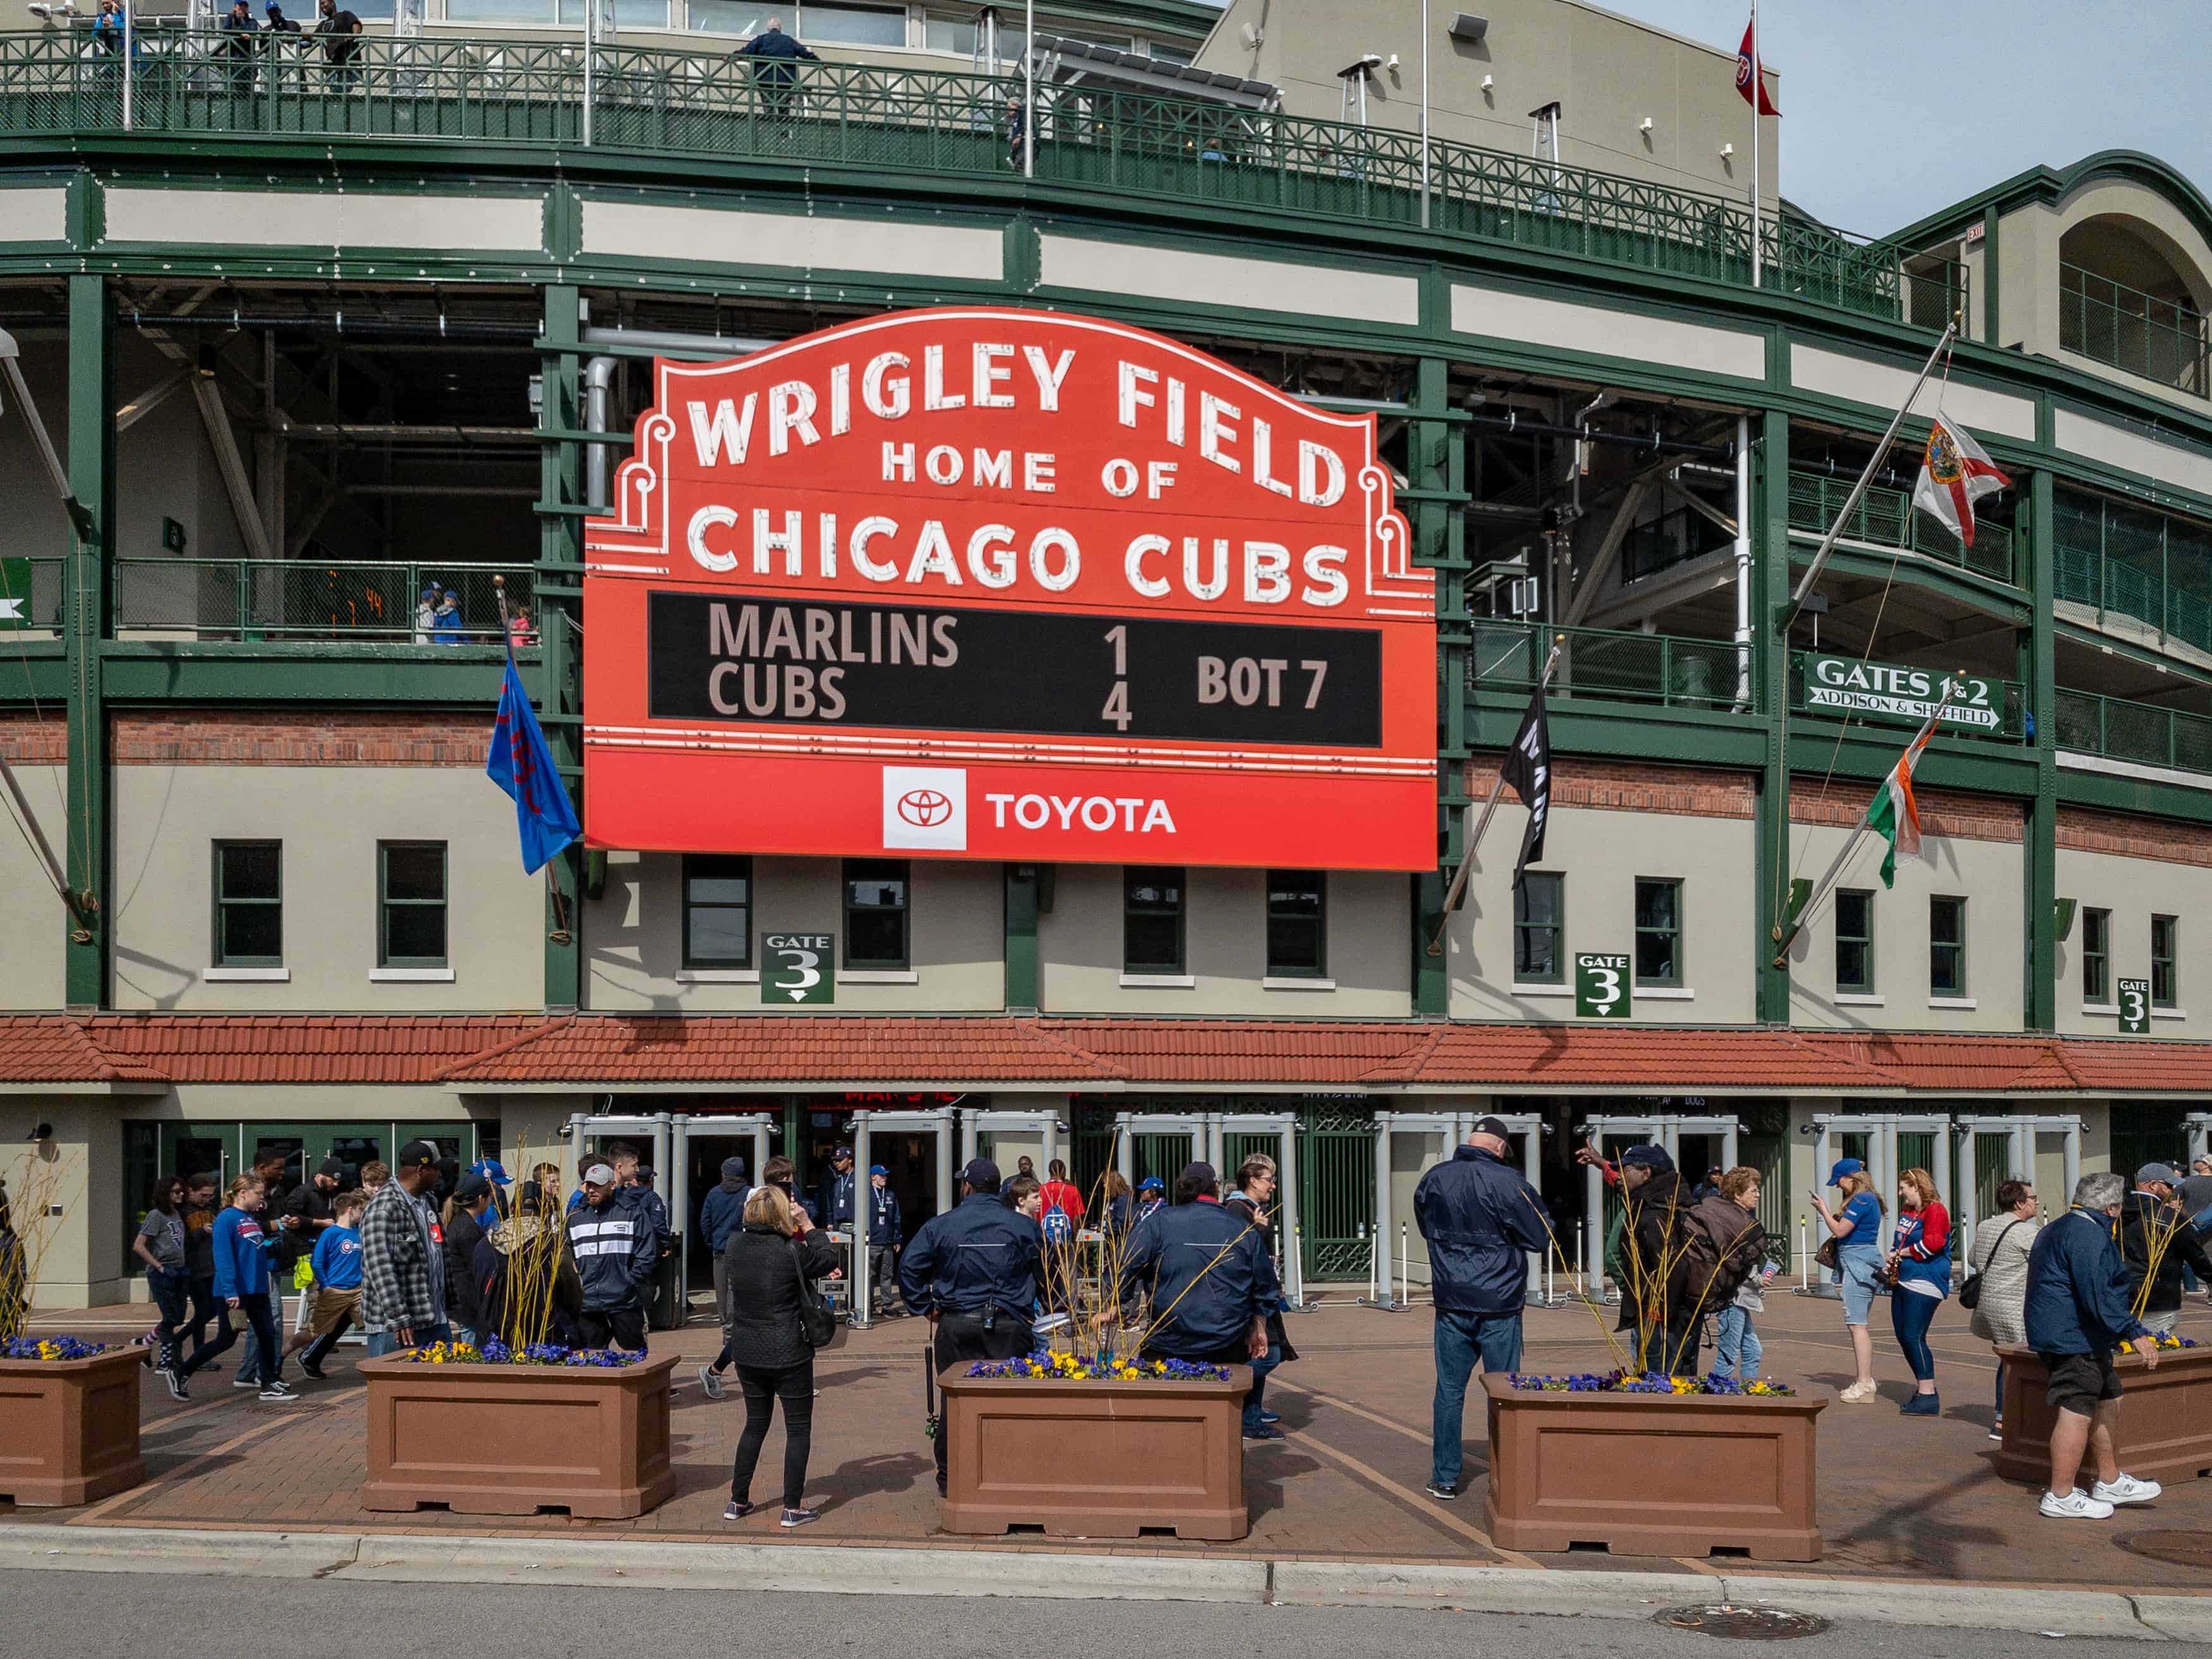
pixel 1844 1166
pixel 842 1151
pixel 415 1154
pixel 980 1173
pixel 492 1171
pixel 600 1175
pixel 644 1176
pixel 734 1169
pixel 472 1185
pixel 878 1170
pixel 1649 1158
pixel 334 1168
pixel 1151 1184
pixel 1198 1174
pixel 1493 1126
pixel 2151 1172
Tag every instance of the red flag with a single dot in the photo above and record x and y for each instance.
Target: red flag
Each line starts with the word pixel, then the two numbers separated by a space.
pixel 1748 74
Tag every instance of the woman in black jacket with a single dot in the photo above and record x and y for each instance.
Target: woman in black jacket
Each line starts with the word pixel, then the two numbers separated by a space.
pixel 768 1264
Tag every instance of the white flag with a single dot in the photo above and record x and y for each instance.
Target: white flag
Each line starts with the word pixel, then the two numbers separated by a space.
pixel 1954 474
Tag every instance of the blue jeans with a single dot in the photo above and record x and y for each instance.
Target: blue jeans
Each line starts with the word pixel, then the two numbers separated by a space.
pixel 1253 1400
pixel 381 1343
pixel 1462 1337
pixel 1739 1344
pixel 1910 1314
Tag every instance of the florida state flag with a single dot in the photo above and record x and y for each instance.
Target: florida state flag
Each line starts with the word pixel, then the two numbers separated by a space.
pixel 1954 474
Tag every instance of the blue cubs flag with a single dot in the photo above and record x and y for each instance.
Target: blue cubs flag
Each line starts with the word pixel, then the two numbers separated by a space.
pixel 521 764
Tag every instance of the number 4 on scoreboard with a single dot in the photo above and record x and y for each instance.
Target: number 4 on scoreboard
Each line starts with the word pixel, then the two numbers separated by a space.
pixel 1117 700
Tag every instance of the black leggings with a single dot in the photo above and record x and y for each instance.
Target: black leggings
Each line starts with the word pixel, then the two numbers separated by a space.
pixel 206 1305
pixel 763 1387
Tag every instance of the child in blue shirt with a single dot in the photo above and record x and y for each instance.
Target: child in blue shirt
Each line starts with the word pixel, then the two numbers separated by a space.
pixel 337 1266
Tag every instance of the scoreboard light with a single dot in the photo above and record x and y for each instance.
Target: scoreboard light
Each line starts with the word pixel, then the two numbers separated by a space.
pixel 1008 585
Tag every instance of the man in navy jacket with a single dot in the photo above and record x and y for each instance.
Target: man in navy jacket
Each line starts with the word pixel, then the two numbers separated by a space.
pixel 1207 1270
pixel 2078 1312
pixel 1480 1219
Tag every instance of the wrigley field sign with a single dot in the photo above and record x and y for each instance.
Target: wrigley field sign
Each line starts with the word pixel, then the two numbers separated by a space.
pixel 1883 690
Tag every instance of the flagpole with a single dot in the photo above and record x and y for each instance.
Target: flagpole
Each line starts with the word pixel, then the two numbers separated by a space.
pixel 1497 788
pixel 1758 91
pixel 1784 938
pixel 1866 477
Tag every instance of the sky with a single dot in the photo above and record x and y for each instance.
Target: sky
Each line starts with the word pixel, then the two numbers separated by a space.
pixel 1883 122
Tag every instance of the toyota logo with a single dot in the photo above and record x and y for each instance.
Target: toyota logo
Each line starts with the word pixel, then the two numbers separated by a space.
pixel 925 808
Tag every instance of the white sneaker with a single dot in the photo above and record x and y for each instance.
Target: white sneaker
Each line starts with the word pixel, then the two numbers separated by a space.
pixel 2125 1490
pixel 2076 1506
pixel 1857 1392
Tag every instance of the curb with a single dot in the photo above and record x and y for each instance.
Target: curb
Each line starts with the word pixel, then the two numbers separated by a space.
pixel 643 1563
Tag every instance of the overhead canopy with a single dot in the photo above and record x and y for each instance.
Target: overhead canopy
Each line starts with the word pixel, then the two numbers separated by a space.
pixel 1061 62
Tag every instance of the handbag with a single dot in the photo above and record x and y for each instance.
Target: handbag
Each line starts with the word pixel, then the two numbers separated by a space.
pixel 1969 1293
pixel 1827 1255
pixel 817 1323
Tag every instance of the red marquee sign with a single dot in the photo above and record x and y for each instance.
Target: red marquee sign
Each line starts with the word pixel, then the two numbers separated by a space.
pixel 1006 585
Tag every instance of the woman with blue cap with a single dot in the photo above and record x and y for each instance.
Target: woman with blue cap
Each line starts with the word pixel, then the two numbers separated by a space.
pixel 1857 1230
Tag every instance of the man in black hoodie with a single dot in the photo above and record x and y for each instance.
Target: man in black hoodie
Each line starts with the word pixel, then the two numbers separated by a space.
pixel 1656 1304
pixel 2152 1225
pixel 464 1289
pixel 721 1214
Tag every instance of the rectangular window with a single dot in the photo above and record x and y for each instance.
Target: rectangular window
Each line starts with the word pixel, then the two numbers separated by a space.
pixel 1658 932
pixel 821 20
pixel 718 911
pixel 1297 910
pixel 943 32
pixel 1947 947
pixel 249 904
pixel 1152 920
pixel 410 887
pixel 2097 958
pixel 876 933
pixel 2163 932
pixel 1854 940
pixel 1539 906
pixel 739 18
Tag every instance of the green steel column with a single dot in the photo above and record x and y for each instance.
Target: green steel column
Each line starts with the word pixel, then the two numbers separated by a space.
pixel 1769 596
pixel 92 480
pixel 1023 982
pixel 1989 275
pixel 1436 467
pixel 2040 831
pixel 559 600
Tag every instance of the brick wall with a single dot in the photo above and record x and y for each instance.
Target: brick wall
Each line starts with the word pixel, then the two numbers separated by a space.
pixel 1626 786
pixel 2082 830
pixel 1841 803
pixel 29 740
pixel 302 737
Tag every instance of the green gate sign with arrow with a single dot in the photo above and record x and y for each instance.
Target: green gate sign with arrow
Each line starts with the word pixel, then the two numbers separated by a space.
pixel 2135 1005
pixel 1601 986
pixel 797 967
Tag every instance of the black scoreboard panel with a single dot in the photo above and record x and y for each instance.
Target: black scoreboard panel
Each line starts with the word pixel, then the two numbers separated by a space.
pixel 948 668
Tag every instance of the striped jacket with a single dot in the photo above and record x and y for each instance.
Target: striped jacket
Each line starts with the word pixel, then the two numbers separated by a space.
pixel 617 1248
pixel 402 1268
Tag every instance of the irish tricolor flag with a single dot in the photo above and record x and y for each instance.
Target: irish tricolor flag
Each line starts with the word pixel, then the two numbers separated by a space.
pixel 1892 812
pixel 1954 474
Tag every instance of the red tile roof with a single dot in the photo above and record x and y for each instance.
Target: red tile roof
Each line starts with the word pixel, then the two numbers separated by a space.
pixel 1079 1054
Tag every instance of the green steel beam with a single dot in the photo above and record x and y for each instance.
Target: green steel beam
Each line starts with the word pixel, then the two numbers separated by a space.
pixel 1023 970
pixel 1437 473
pixel 1990 222
pixel 342 673
pixel 2041 826
pixel 2107 792
pixel 558 688
pixel 1769 574
pixel 91 852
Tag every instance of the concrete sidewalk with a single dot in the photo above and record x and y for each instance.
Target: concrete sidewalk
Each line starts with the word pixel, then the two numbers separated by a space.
pixel 1901 1497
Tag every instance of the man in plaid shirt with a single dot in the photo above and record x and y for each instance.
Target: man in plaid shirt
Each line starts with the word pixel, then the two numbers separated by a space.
pixel 402 1266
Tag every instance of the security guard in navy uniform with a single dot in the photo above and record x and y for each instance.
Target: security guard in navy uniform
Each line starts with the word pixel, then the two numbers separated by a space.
pixel 974 1271
pixel 1209 1273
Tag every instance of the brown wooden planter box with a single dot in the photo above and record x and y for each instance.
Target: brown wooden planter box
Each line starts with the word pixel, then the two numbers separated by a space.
pixel 2165 1417
pixel 1095 1460
pixel 516 1439
pixel 69 1428
pixel 1653 1474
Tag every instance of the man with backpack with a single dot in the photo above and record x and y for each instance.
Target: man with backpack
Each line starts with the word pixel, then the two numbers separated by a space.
pixel 1658 1303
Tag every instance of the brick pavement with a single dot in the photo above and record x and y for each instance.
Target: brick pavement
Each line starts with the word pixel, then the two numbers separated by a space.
pixel 1900 1496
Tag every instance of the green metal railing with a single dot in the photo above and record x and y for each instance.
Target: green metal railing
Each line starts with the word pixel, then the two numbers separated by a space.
pixel 249 600
pixel 1667 669
pixel 2011 699
pixel 2133 330
pixel 526 91
pixel 2135 562
pixel 2114 726
pixel 1886 518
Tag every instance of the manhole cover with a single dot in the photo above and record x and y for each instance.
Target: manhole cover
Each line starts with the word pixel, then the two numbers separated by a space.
pixel 2183 1549
pixel 1752 1624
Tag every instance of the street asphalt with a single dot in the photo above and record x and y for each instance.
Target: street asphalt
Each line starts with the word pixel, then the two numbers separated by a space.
pixel 104 1613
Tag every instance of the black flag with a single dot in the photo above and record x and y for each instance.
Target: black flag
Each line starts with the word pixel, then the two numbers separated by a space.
pixel 1527 767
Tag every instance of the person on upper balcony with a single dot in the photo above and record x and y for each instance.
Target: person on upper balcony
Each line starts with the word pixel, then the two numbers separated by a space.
pixel 776 67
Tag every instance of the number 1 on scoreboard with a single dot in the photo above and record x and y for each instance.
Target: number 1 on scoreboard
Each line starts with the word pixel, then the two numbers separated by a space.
pixel 1117 700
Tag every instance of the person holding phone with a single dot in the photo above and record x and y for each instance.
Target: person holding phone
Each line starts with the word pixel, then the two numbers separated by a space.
pixel 1857 1230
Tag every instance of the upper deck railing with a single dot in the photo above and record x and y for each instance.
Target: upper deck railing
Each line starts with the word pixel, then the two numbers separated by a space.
pixel 537 92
